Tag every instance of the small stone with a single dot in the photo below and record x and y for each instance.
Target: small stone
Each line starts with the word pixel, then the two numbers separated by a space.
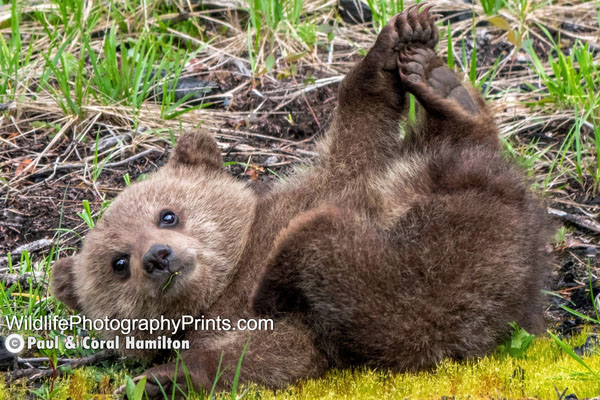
pixel 354 12
pixel 108 142
pixel 272 160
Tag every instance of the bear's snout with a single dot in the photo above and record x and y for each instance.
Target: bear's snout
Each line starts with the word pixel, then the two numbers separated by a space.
pixel 157 260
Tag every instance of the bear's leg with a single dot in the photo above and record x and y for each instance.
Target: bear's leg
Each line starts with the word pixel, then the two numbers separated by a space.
pixel 274 358
pixel 316 271
pixel 364 133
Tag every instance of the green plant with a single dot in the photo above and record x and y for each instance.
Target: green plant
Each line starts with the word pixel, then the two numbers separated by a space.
pixel 525 156
pixel 14 59
pixel 123 75
pixel 86 214
pixel 470 61
pixel 572 83
pixel 64 73
pixel 491 7
pixel 238 370
pixel 270 13
pixel 44 392
pixel 560 237
pixel 98 166
pixel 308 33
pixel 383 10
pixel 63 67
pixel 450 45
pixel 135 391
pixel 267 20
pixel 596 306
pixel 518 343
pixel 571 353
pixel 574 79
pixel 473 63
pixel 591 373
pixel 15 300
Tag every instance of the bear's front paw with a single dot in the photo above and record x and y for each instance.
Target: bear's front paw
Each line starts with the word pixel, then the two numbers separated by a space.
pixel 159 380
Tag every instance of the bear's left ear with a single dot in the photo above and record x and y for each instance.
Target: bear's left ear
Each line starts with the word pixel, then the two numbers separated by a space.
pixel 197 149
pixel 61 285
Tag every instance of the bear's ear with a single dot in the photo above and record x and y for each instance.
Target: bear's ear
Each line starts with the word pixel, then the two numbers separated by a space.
pixel 62 282
pixel 196 149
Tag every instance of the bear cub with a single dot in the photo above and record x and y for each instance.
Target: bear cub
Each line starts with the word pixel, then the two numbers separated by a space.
pixel 392 251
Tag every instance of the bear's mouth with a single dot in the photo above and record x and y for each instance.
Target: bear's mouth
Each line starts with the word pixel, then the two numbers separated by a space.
pixel 174 274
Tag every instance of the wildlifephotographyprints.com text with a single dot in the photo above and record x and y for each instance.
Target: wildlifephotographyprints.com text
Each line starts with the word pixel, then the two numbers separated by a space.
pixel 15 343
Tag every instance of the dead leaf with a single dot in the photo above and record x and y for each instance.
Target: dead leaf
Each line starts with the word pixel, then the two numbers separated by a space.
pixel 253 174
pixel 500 22
pixel 23 166
pixel 514 38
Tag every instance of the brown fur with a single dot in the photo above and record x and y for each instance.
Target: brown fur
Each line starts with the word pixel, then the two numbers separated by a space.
pixel 387 252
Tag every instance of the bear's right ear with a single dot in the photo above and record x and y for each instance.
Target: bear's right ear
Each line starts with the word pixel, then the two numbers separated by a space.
pixel 196 149
pixel 62 282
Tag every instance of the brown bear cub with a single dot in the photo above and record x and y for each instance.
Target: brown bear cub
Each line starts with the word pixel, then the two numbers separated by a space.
pixel 389 252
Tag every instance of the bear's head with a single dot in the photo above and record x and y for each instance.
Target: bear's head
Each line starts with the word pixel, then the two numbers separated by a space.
pixel 167 245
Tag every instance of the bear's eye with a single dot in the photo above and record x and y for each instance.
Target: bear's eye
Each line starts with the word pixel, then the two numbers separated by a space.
pixel 120 265
pixel 167 219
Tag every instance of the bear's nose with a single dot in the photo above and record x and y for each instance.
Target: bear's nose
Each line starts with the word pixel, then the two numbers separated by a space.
pixel 156 260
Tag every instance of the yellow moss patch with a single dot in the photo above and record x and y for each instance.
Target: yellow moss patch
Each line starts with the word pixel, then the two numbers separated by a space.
pixel 16 392
pixel 497 376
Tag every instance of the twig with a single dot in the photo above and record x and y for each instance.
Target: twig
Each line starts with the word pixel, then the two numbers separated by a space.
pixel 33 246
pixel 577 220
pixel 39 373
pixel 9 279
pixel 558 394
pixel 108 165
pixel 29 247
pixel 130 159
pixel 38 360
pixel 54 141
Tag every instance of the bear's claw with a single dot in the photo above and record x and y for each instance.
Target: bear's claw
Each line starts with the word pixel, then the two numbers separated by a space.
pixel 416 28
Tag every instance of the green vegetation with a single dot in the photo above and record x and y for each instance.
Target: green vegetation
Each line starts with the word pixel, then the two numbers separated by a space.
pixel 572 82
pixel 491 7
pixel 384 10
pixel 271 22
